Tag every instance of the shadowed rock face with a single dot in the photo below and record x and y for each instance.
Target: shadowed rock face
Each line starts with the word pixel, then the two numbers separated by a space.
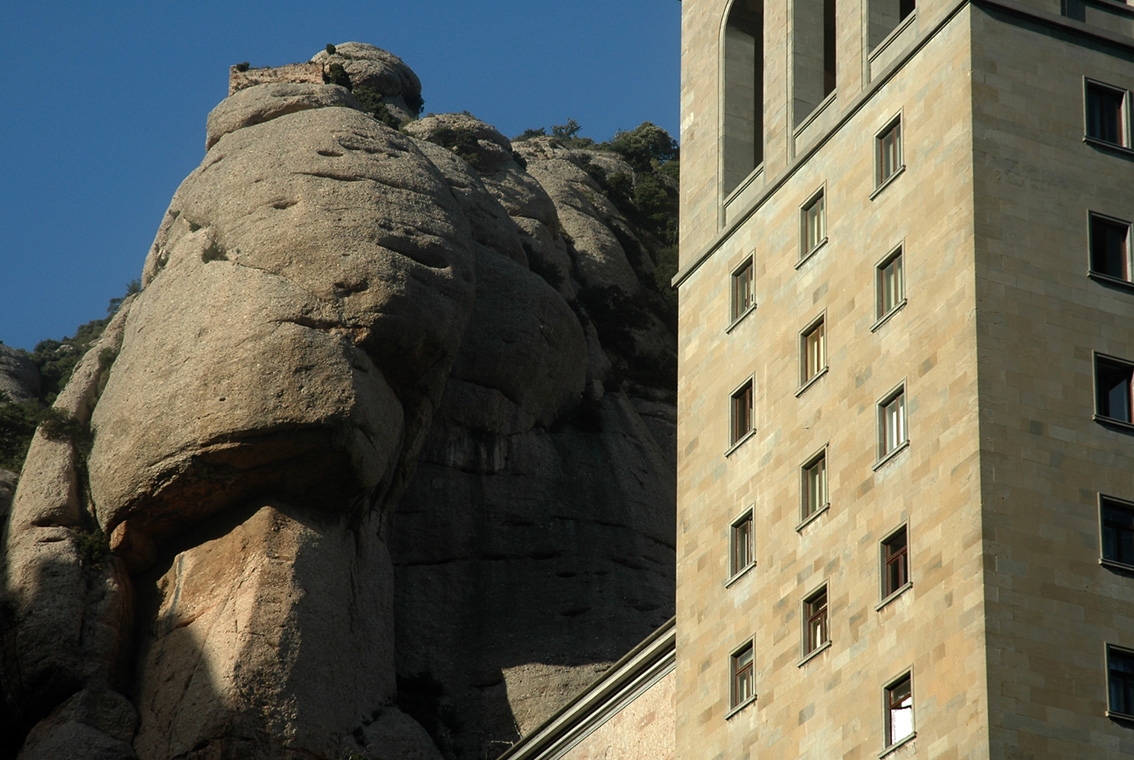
pixel 355 471
pixel 19 378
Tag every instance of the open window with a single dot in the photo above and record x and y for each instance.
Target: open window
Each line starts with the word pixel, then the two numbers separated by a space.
pixel 892 422
pixel 895 562
pixel 740 413
pixel 742 689
pixel 741 536
pixel 899 710
pixel 812 351
pixel 816 630
pixel 743 295
pixel 889 284
pixel 813 484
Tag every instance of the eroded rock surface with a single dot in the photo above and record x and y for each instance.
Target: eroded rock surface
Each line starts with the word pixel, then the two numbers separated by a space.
pixel 379 461
pixel 19 378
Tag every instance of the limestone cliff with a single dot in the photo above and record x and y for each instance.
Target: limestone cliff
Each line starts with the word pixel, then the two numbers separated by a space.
pixel 379 461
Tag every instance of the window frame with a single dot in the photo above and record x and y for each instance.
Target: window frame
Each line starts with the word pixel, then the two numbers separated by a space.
pixel 807 245
pixel 881 313
pixel 739 310
pixel 891 590
pixel 1112 710
pixel 1096 219
pixel 735 566
pixel 736 435
pixel 815 616
pixel 1091 86
pixel 810 508
pixel 735 701
pixel 1121 368
pixel 888 449
pixel 881 177
pixel 817 330
pixel 1120 560
pixel 889 706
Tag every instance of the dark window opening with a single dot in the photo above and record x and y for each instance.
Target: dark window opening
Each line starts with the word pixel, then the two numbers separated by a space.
pixel 1117 531
pixel 895 563
pixel 1113 384
pixel 1110 249
pixel 743 128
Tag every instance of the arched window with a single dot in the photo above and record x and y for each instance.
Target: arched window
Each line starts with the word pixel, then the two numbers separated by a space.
pixel 743 122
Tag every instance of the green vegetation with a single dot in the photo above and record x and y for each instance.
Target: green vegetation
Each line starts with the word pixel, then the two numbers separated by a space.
pixel 415 103
pixel 372 101
pixel 17 425
pixel 55 360
pixel 243 66
pixel 646 147
pixel 646 196
pixel 336 74
pixel 373 104
pixel 463 142
pixel 330 49
pixel 94 546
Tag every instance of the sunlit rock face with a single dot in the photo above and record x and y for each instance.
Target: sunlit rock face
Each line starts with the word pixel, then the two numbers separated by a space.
pixel 361 469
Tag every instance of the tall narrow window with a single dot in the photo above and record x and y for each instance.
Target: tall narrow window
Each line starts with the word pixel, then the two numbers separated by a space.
pixel 743 688
pixel 741 413
pixel 814 478
pixel 890 284
pixel 899 710
pixel 1117 530
pixel 1112 388
pixel 895 562
pixel 816 632
pixel 888 152
pixel 1120 681
pixel 814 65
pixel 740 553
pixel 892 422
pixel 812 351
pixel 743 118
pixel 813 224
pixel 1106 114
pixel 742 295
pixel 1110 247
pixel 830 49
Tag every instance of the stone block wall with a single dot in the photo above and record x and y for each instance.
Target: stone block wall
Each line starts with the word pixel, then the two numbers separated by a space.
pixel 1052 607
pixel 830 705
pixel 294 72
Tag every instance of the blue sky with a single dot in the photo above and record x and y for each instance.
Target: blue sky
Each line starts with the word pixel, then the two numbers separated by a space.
pixel 103 105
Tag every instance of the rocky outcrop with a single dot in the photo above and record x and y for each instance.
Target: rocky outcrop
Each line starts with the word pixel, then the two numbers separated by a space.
pixel 535 544
pixel 19 378
pixel 358 471
pixel 247 108
pixel 386 75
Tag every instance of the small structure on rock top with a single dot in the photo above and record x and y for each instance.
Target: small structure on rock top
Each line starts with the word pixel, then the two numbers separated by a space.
pixel 240 76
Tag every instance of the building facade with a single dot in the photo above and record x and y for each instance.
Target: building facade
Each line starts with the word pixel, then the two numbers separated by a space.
pixel 905 446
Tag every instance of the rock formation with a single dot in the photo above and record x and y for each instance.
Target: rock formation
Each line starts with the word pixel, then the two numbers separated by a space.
pixel 372 464
pixel 19 378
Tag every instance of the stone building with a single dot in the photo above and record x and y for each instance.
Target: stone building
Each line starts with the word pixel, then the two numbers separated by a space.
pixel 905 493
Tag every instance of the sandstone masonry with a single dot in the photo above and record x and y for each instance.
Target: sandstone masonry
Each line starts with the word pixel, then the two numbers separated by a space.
pixel 904 440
